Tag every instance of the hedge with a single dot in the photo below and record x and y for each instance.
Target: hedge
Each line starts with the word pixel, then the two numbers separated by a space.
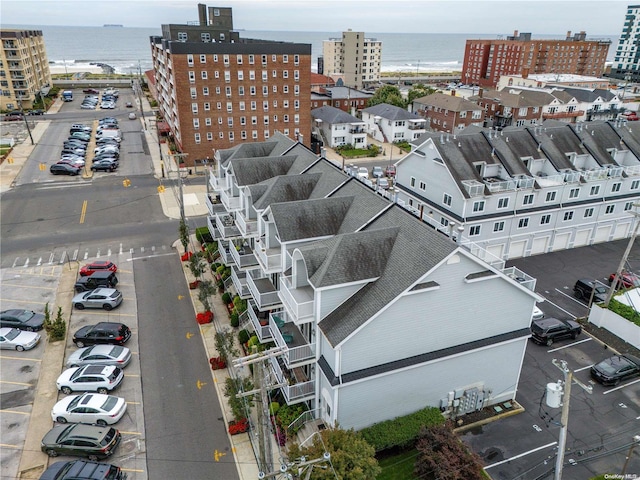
pixel 203 235
pixel 624 311
pixel 401 431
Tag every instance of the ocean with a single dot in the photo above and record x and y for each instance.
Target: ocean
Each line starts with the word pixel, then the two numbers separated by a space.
pixel 127 49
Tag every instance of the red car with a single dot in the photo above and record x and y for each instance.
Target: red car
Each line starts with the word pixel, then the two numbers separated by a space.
pixel 90 90
pixel 390 171
pixel 627 280
pixel 98 266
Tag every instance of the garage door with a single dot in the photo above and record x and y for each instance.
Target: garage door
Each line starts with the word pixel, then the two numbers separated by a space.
pixel 561 241
pixel 582 238
pixel 621 231
pixel 602 234
pixel 516 249
pixel 495 252
pixel 539 245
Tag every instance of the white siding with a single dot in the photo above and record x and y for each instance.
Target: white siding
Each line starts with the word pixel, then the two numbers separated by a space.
pixel 364 403
pixel 331 298
pixel 432 320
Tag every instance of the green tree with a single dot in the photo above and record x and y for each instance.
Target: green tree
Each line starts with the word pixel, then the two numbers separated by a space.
pixel 58 329
pixel 196 264
pixel 388 94
pixel 352 458
pixel 184 234
pixel 442 456
pixel 47 325
pixel 205 291
pixel 419 90
pixel 225 344
pixel 240 406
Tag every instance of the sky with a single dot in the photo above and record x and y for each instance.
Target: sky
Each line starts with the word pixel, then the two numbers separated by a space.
pixel 388 16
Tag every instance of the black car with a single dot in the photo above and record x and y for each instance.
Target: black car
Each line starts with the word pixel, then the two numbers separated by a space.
pixel 104 278
pixel 83 469
pixel 104 165
pixel 585 288
pixel 36 112
pixel 22 319
pixel 111 333
pixel 613 370
pixel 547 330
pixel 64 169
pixel 91 441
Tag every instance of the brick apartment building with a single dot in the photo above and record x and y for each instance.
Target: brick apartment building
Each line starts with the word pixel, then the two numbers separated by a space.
pixel 216 90
pixel 448 113
pixel 485 61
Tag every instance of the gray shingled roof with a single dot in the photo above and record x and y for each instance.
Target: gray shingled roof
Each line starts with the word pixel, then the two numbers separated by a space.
pixel 391 112
pixel 333 116
pixel 447 102
pixel 519 99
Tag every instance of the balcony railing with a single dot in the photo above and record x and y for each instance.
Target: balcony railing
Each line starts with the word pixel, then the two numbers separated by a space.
pixel 596 174
pixel 214 207
pixel 270 259
pixel 286 334
pixel 297 301
pixel 213 229
pixel 225 252
pixel 260 322
pixel 495 185
pixel 417 126
pixel 248 227
pixel 296 391
pixel 575 113
pixel 632 170
pixel 227 226
pixel 217 183
pixel 229 202
pixel 525 280
pixel 545 180
pixel 243 256
pixel 239 279
pixel 262 290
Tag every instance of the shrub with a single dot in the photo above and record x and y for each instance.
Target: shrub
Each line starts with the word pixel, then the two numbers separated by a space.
pixel 58 330
pixel 243 336
pixel 184 234
pixel 624 311
pixel 226 298
pixel 287 414
pixel 240 304
pixel 253 341
pixel 220 269
pixel 203 235
pixel 273 408
pixel 240 406
pixel 47 319
pixel 401 431
pixel 234 319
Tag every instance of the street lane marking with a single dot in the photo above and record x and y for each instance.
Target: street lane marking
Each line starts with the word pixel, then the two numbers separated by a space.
pixel 131 375
pixel 521 455
pixel 570 297
pixel 621 386
pixel 132 470
pixel 149 256
pixel 16 383
pixel 584 368
pixel 132 403
pixel 569 345
pixel 66 185
pixel 84 211
pixel 20 358
pixel 30 287
pixel 16 412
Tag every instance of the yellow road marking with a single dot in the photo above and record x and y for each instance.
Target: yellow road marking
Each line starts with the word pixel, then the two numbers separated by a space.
pixel 200 384
pixel 9 357
pixel 16 383
pixel 131 470
pixel 217 455
pixel 189 335
pixel 16 412
pixel 131 375
pixel 10 446
pixel 132 403
pixel 84 211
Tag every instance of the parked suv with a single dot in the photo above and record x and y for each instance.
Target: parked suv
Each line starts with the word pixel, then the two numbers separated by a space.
pixel 104 278
pixel 584 287
pixel 84 469
pixel 105 333
pixel 547 330
pixel 90 378
pixel 77 439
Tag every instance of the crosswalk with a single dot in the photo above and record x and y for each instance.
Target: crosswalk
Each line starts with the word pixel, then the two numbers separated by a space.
pixel 61 256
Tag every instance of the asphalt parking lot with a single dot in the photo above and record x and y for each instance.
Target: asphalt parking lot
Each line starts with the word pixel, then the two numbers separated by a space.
pixel 32 288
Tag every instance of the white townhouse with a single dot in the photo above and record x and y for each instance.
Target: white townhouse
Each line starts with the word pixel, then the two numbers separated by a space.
pixel 388 123
pixel 595 104
pixel 374 313
pixel 338 127
pixel 526 190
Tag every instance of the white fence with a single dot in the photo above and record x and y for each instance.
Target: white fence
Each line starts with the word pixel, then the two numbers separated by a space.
pixel 617 325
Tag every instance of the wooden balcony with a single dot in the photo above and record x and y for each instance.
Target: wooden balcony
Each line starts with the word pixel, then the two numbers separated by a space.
pixel 574 114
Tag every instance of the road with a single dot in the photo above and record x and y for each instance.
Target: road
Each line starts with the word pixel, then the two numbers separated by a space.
pixel 47 217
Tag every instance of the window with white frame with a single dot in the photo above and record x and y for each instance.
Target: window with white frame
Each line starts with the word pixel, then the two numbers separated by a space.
pixel 616 187
pixel 422 186
pixel 230 122
pixel 196 123
pixel 207 121
pixel 215 58
pixel 220 134
pixel 216 74
pixel 194 108
pixel 574 193
pixel 240 75
pixel 229 106
pixel 412 182
pixel 254 105
pixel 285 74
pixel 275 88
pixel 588 212
pixel 265 76
pixel 609 209
pixel 285 89
pixel 498 226
pixel 523 222
pixel 205 37
pixel 207 106
pixel 296 75
pixel 227 91
pixel 205 91
pixel 296 59
pixel 254 120
pixel 265 119
pixel 503 202
pixel 254 134
pixel 218 105
pixel 203 74
pixel 568 216
pixel 197 137
pixel 252 59
pixel 478 206
pixel 190 60
pixel 285 118
pixel 527 199
pixel 241 106
pixel 551 196
pixel 296 90
pixel 227 77
pixel 241 90
pixel 274 73
pixel 275 118
pixel 285 103
pixel 275 104
pixel 219 120
pixel 243 121
pixel 192 77
pixel 285 58
pixel 595 190
pixel 218 90
pixel 265 105
pixel 265 90
pixel 239 59
pixel 252 74
pixel 225 60
pixel 296 104
pixel 628 206
pixel 209 136
pixel 296 118
pixel 474 230
pixel 264 59
pixel 203 59
pixel 545 219
pixel 252 90
pixel 446 199
pixel 193 92
pixel 231 136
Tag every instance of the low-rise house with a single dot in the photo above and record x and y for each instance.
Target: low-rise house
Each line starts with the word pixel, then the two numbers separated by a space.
pixel 506 108
pixel 448 113
pixel 344 98
pixel 388 123
pixel 338 128
pixel 361 298
pixel 529 190
pixel 542 80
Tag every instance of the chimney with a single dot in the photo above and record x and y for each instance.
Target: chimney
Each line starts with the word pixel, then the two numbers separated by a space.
pixel 453 93
pixel 202 14
pixel 568 34
pixel 480 92
pixel 525 73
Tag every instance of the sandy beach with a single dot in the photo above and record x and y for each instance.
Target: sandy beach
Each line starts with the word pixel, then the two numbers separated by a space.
pixel 61 69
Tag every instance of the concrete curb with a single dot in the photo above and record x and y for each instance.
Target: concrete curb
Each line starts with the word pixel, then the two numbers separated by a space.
pixel 517 410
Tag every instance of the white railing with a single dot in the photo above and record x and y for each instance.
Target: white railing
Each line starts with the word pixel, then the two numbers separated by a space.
pixel 298 301
pixel 229 202
pixel 214 208
pixel 213 230
pixel 264 297
pixel 270 259
pixel 239 278
pixel 243 256
pixel 217 183
pixel 263 331
pixel 225 253
pixel 287 334
pixel 522 278
pixel 248 228
pixel 227 226
pixel 296 393
pixel 632 170
pixel 597 174
pixel 549 180
pixel 501 186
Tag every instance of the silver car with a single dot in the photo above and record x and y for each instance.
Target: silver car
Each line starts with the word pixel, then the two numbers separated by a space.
pixel 107 298
pixel 16 339
pixel 100 355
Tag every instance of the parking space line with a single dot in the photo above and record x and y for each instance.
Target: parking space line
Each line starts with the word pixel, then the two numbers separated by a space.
pixel 570 345
pixel 30 287
pixel 6 445
pixel 133 375
pixel 10 300
pixel 521 455
pixel 101 312
pixel 570 297
pixel 16 412
pixel 584 368
pixel 8 357
pixel 621 386
pixel 130 433
pixel 136 470
pixel 132 403
pixel 150 256
pixel 16 383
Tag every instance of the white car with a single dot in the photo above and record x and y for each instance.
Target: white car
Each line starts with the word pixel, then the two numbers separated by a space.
pixel 92 408
pixel 16 339
pixel 100 355
pixel 90 378
pixel 537 314
pixel 363 173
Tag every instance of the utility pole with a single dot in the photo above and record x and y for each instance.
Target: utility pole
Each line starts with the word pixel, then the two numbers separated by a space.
pixel 564 419
pixel 636 441
pixel 625 256
pixel 181 199
pixel 24 117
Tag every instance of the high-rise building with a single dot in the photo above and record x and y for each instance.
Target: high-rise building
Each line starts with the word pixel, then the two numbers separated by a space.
pixel 486 60
pixel 626 64
pixel 354 58
pixel 216 90
pixel 24 68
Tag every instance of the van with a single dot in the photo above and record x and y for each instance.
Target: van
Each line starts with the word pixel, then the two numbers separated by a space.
pixel 105 278
pixel 585 287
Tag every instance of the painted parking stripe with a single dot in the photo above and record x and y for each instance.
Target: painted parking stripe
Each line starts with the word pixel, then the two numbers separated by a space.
pixel 30 287
pixel 584 368
pixel 102 312
pixel 16 383
pixel 6 445
pixel 621 386
pixel 9 357
pixel 570 345
pixel 521 455
pixel 149 256
pixel 15 412
pixel 570 297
